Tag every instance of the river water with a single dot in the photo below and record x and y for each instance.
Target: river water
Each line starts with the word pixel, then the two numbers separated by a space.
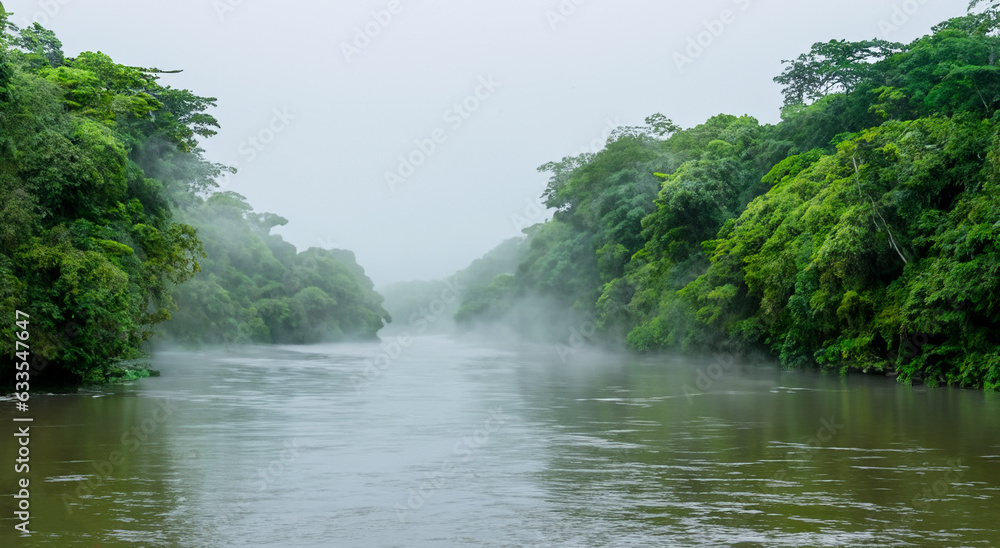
pixel 451 443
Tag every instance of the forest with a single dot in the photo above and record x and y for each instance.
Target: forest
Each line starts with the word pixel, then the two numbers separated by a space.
pixel 113 230
pixel 859 234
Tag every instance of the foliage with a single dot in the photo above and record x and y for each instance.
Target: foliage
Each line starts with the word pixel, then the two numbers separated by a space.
pixel 856 267
pixel 255 287
pixel 103 217
pixel 829 67
pixel 87 246
pixel 862 233
pixel 433 306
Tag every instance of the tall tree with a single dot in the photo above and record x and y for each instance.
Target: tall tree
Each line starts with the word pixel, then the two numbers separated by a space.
pixel 832 67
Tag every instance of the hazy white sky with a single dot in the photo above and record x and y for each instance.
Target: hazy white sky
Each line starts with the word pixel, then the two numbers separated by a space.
pixel 315 115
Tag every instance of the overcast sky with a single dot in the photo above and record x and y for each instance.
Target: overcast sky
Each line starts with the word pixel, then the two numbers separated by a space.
pixel 315 115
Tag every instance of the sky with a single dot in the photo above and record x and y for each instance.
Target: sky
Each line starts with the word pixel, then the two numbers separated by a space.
pixel 410 132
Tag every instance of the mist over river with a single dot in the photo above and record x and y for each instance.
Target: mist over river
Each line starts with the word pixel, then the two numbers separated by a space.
pixel 469 444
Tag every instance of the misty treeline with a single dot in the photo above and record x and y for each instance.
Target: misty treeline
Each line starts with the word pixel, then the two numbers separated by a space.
pixel 861 233
pixel 111 223
pixel 434 306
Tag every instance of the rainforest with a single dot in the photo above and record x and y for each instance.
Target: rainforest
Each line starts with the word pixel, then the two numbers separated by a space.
pixel 859 234
pixel 244 267
pixel 113 229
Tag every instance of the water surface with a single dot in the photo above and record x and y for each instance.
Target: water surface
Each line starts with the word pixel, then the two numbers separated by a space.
pixel 464 444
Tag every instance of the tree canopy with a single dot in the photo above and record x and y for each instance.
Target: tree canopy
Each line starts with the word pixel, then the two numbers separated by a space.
pixel 107 210
pixel 861 233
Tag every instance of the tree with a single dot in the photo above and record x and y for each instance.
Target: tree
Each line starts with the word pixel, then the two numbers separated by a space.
pixel 42 46
pixel 661 126
pixel 832 67
pixel 101 180
pixel 990 14
pixel 6 70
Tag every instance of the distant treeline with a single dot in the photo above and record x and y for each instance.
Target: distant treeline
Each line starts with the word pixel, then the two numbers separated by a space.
pixel 434 306
pixel 110 225
pixel 861 233
pixel 256 288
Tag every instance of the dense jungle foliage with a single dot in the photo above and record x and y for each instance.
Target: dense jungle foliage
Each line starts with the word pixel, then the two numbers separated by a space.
pixel 110 224
pixel 861 233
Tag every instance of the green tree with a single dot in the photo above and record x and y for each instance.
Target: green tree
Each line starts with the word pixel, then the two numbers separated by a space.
pixel 106 216
pixel 837 66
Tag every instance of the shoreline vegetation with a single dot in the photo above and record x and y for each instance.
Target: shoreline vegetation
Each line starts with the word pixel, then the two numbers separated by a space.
pixel 114 231
pixel 861 233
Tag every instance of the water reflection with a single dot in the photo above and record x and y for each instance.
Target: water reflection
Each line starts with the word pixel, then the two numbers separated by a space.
pixel 467 445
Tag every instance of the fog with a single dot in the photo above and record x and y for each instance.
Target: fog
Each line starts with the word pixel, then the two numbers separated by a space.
pixel 314 113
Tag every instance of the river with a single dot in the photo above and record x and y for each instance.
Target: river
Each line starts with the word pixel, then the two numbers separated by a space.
pixel 451 443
